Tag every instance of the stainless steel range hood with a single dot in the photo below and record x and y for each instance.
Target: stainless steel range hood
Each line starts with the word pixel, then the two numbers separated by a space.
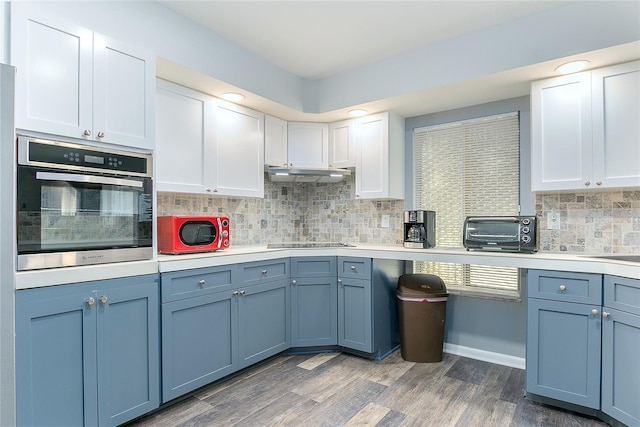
pixel 283 174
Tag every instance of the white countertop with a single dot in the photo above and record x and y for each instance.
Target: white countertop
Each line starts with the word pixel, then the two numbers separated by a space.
pixel 239 254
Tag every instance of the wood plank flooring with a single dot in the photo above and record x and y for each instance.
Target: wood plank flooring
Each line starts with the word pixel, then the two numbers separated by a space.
pixel 337 389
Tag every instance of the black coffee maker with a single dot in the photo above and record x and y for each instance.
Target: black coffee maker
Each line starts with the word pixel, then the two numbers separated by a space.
pixel 419 229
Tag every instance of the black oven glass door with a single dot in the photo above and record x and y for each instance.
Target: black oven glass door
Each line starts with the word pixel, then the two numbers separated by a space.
pixel 66 211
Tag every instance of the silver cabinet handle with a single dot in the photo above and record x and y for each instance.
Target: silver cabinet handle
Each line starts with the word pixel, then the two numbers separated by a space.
pixel 201 283
pixel 103 299
pixel 605 314
pixel 264 272
pixel 235 293
pixel 242 292
pixel 90 301
pixel 86 132
pixel 595 312
pixel 587 183
pixel 598 182
pixel 353 268
pixel 339 282
pixel 208 190
pixel 100 134
pixel 294 282
pixel 563 288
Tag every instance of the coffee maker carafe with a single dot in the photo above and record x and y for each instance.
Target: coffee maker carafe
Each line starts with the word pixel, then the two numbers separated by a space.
pixel 419 229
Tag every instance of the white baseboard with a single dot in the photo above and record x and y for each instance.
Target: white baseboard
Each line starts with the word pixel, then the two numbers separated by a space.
pixel 485 356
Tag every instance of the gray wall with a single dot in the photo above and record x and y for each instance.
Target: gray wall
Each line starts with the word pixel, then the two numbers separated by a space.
pixel 483 324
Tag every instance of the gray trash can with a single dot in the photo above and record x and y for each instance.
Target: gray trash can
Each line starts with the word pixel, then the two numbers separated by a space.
pixel 422 303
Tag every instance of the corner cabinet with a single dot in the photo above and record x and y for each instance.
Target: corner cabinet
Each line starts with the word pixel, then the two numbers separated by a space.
pixel 380 157
pixel 102 89
pixel 342 144
pixel 584 130
pixel 308 145
pixel 206 145
pixel 88 353
pixel 275 142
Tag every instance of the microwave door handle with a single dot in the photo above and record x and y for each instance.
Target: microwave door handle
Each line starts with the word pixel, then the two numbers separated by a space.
pixel 90 179
pixel 219 230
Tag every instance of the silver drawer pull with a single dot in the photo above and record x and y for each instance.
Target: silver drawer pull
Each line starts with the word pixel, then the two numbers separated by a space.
pixel 605 314
pixel 339 282
pixel 264 272
pixel 563 288
pixel 103 299
pixel 595 312
pixel 353 268
pixel 90 301
pixel 294 282
pixel 242 292
pixel 235 293
pixel 201 283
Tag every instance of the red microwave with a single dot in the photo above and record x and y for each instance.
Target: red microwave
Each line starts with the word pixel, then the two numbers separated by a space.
pixel 188 234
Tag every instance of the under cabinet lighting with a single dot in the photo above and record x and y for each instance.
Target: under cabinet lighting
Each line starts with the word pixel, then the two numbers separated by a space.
pixel 358 113
pixel 282 174
pixel 572 67
pixel 232 96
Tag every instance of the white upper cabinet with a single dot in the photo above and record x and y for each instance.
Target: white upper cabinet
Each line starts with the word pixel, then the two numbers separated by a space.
pixel 342 144
pixel 308 145
pixel 380 159
pixel 79 84
pixel 238 151
pixel 206 145
pixel 585 130
pixel 275 142
pixel 182 132
pixel 616 125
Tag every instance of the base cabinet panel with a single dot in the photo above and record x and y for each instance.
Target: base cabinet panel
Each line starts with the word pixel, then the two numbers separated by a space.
pixel 87 354
pixel 354 314
pixel 199 338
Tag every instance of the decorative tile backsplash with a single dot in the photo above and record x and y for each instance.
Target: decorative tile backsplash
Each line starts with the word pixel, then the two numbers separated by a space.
pixel 591 222
pixel 297 212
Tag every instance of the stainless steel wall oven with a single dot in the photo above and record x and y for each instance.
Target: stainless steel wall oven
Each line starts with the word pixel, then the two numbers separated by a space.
pixel 79 204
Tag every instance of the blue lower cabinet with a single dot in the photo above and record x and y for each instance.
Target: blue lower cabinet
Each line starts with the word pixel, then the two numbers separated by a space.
pixel 264 321
pixel 354 314
pixel 87 354
pixel 563 351
pixel 199 338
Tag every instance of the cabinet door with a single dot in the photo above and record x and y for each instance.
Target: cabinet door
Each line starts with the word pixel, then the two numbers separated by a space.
pixel 561 145
pixel 342 144
pixel 183 136
pixel 123 93
pixel 380 157
pixel 354 314
pixel 620 367
pixel 308 145
pixel 264 321
pixel 238 151
pixel 275 142
pixel 128 351
pixel 54 72
pixel 56 370
pixel 563 351
pixel 314 311
pixel 199 342
pixel 616 132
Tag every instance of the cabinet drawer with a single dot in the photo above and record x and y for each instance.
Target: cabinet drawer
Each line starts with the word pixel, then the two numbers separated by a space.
pixel 563 286
pixel 313 266
pixel 252 273
pixel 358 268
pixel 190 283
pixel 622 293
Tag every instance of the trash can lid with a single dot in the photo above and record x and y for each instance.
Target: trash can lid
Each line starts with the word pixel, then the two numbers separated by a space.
pixel 421 285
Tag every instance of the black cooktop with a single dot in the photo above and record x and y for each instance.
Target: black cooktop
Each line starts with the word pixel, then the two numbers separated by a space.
pixel 297 245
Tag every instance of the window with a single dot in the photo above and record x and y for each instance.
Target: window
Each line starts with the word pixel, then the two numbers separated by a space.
pixel 468 168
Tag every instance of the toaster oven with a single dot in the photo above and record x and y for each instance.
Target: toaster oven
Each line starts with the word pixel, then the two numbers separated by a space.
pixel 501 233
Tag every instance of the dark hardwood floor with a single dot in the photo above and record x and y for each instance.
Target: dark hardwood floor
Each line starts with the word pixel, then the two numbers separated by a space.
pixel 337 389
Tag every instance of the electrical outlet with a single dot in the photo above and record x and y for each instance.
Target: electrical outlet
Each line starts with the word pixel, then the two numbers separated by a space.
pixel 384 223
pixel 553 221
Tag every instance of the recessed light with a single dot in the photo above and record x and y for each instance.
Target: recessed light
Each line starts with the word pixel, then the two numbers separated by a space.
pixel 232 96
pixel 358 113
pixel 572 67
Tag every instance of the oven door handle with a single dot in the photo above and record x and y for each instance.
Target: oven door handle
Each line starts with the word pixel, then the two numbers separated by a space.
pixel 91 179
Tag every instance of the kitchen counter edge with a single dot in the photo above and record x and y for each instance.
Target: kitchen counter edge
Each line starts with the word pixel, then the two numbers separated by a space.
pixel 167 263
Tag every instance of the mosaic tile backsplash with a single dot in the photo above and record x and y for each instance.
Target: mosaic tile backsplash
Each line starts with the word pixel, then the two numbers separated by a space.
pixel 297 212
pixel 590 222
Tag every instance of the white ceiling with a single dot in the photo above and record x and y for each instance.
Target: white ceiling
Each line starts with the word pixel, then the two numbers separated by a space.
pixel 317 39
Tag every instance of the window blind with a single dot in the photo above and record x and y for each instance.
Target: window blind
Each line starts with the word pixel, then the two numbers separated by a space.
pixel 468 168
